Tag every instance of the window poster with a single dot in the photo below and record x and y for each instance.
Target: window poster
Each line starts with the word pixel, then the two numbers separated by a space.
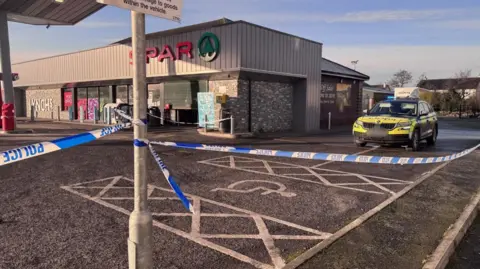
pixel 67 99
pixel 343 96
pixel 327 94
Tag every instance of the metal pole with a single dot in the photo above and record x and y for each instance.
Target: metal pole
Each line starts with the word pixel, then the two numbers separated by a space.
pixel 82 114
pixel 32 113
pixel 231 125
pixel 329 120
pixel 206 120
pixel 176 117
pixel 95 115
pixel 6 84
pixel 58 113
pixel 140 224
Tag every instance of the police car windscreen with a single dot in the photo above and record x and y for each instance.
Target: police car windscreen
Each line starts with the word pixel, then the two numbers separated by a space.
pixel 396 108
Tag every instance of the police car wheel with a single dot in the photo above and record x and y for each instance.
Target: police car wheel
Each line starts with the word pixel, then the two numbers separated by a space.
pixel 415 141
pixel 360 144
pixel 432 139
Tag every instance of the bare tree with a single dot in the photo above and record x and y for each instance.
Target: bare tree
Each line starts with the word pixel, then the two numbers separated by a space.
pixel 462 76
pixel 421 78
pixel 401 78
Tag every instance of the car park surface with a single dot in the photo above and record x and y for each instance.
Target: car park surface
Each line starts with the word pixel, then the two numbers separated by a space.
pixel 70 208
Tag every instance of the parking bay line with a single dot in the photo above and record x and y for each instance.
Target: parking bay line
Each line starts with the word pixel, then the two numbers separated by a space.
pixel 294 178
pixel 183 234
pixel 358 153
pixel 299 260
pixel 317 235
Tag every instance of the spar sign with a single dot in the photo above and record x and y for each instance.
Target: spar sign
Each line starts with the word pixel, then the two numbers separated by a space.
pixel 207 49
pixel 166 9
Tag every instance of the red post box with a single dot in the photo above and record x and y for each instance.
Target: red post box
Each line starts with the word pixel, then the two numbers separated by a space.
pixel 8 117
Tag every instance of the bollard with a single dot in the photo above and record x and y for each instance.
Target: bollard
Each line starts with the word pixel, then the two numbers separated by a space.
pixel 81 114
pixel 58 113
pixel 231 125
pixel 329 120
pixel 206 120
pixel 70 113
pixel 109 115
pixel 95 112
pixel 176 117
pixel 32 111
pixel 51 114
pixel 161 119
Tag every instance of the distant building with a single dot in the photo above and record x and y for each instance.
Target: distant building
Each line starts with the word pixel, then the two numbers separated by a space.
pixel 376 93
pixel 469 86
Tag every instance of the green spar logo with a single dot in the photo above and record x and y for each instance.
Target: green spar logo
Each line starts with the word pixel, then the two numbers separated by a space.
pixel 208 47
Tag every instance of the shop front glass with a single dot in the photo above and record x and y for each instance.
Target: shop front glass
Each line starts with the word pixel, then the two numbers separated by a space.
pixel 92 102
pixel 67 99
pixel 82 101
pixel 122 94
pixel 154 95
pixel 104 98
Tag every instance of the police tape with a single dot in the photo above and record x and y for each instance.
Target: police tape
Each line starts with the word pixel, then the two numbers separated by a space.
pixel 42 148
pixel 170 180
pixel 319 155
pixel 124 115
pixel 185 123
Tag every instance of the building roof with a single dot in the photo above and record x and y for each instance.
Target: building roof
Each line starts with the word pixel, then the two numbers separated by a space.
pixel 49 12
pixel 328 67
pixel 450 83
pixel 336 69
pixel 201 26
pixel 180 30
pixel 377 89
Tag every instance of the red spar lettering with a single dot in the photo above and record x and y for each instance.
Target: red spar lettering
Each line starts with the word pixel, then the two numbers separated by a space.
pixel 181 48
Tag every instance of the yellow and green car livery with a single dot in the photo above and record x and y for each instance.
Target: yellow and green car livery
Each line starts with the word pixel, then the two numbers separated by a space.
pixel 397 122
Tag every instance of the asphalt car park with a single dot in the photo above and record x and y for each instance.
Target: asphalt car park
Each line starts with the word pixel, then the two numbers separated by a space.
pixel 69 209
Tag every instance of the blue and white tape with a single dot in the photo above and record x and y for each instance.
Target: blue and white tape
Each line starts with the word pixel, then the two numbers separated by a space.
pixel 319 155
pixel 42 148
pixel 170 180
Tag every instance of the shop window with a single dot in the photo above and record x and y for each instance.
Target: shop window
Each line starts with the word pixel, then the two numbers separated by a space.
pixel 67 99
pixel 122 94
pixel 92 102
pixel 104 98
pixel 82 101
pixel 154 97
pixel 183 94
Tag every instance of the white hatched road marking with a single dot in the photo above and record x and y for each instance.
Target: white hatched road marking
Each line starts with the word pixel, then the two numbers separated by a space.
pixel 195 234
pixel 316 172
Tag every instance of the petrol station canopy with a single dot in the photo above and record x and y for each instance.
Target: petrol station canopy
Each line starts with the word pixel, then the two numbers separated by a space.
pixel 49 12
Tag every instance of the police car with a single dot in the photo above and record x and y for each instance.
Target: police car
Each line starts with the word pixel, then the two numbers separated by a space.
pixel 401 121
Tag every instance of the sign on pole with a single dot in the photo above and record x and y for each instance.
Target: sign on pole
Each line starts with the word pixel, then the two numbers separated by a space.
pixel 166 9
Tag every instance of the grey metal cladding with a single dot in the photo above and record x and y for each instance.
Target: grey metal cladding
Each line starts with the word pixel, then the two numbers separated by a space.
pixel 112 62
pixel 270 50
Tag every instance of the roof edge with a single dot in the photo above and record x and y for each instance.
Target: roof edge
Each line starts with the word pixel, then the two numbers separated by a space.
pixel 207 24
pixel 359 74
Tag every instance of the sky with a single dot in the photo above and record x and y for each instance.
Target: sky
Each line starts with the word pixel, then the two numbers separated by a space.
pixel 434 37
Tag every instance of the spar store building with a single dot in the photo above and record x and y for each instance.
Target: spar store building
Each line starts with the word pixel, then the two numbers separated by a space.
pixel 272 80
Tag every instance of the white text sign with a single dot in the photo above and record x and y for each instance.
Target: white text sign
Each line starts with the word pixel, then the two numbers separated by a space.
pixel 167 9
pixel 42 104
